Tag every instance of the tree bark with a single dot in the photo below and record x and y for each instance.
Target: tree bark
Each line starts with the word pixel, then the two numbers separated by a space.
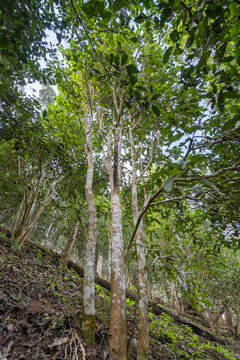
pixel 219 313
pixel 47 236
pixel 19 215
pixel 117 338
pixel 229 321
pixel 69 245
pixel 143 336
pixel 88 320
pixel 99 265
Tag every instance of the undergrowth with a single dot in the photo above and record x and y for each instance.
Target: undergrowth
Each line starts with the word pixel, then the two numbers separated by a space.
pixel 183 342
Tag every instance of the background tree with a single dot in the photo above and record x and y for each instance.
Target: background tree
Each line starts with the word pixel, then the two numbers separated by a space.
pixel 46 95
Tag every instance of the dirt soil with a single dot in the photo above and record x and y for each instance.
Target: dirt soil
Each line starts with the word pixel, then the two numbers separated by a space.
pixel 40 309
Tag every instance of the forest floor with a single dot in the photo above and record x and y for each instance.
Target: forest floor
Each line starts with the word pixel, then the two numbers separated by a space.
pixel 40 315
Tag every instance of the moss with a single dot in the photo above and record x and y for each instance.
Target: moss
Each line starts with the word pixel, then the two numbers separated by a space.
pixel 88 329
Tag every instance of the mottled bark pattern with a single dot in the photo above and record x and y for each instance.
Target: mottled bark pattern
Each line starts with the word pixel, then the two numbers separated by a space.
pixel 99 265
pixel 143 336
pixel 88 320
pixel 117 340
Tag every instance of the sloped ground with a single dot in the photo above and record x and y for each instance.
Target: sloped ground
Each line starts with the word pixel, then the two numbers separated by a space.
pixel 40 315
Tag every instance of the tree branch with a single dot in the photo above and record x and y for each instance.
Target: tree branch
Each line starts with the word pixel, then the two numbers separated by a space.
pixel 150 200
pixel 89 38
pixel 140 216
pixel 210 176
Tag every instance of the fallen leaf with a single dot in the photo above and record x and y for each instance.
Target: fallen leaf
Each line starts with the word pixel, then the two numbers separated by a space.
pixel 7 350
pixel 59 342
pixel 10 327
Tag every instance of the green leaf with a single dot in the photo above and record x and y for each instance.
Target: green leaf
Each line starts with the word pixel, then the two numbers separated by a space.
pixel 142 88
pixel 166 130
pixel 230 123
pixel 134 39
pixel 156 175
pixel 219 55
pixel 131 69
pixel 4 86
pixel 167 54
pixel 189 42
pixel 124 83
pixel 234 9
pixel 174 36
pixel 198 307
pixel 4 43
pixel 208 183
pixel 117 5
pixel 128 105
pixel 133 80
pixel 197 158
pixel 146 3
pixel 124 59
pixel 224 78
pixel 231 95
pixel 203 60
pixel 95 71
pixel 236 29
pixel 168 184
pixel 155 97
pixel 44 113
pixel 59 37
pixel 184 163
pixel 156 110
pixel 220 102
pixel 228 59
pixel 111 58
pixel 140 18
pixel 199 34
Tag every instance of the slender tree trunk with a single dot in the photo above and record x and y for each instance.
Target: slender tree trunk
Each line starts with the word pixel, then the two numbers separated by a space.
pixel 176 303
pixel 117 338
pixel 19 216
pixel 29 227
pixel 150 291
pixel 118 334
pixel 2 216
pixel 219 313
pixel 109 261
pixel 31 209
pixel 143 336
pixel 229 321
pixel 27 207
pixel 54 241
pixel 99 265
pixel 207 317
pixel 235 328
pixel 69 245
pixel 47 236
pixel 88 320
